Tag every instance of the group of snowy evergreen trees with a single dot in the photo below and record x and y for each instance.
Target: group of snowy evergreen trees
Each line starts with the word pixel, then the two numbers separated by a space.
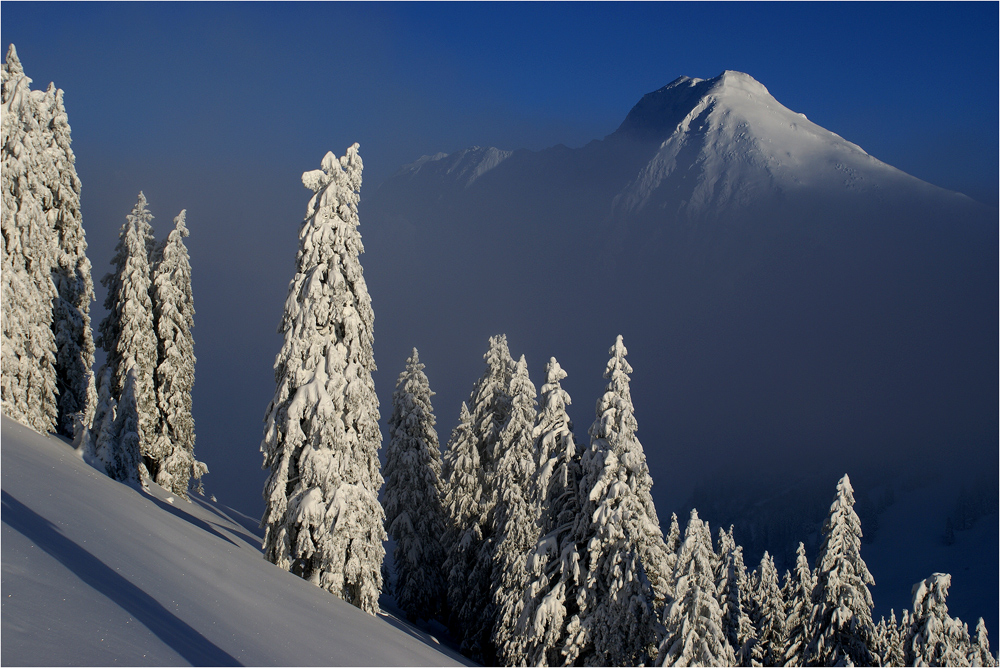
pixel 142 426
pixel 553 554
pixel 137 422
pixel 532 548
pixel 48 346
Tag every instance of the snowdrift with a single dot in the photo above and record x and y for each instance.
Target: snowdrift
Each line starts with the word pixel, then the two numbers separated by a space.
pixel 97 573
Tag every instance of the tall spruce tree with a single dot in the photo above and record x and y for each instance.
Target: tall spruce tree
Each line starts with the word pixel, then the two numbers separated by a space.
pixel 555 574
pixel 490 404
pixel 625 555
pixel 123 458
pixel 768 615
pixel 732 584
pixel 463 478
pixel 891 641
pixel 694 634
pixel 323 520
pixel 413 505
pixel 933 637
pixel 127 334
pixel 617 425
pixel 798 609
pixel 71 275
pixel 28 377
pixel 841 625
pixel 98 448
pixel 516 517
pixel 981 654
pixel 173 314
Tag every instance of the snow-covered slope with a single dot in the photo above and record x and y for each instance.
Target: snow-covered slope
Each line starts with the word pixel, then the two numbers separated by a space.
pixel 96 573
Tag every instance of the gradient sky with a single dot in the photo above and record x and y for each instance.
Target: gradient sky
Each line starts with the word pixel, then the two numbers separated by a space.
pixel 219 108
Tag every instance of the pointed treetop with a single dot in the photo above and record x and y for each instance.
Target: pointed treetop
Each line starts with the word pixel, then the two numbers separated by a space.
pixel 180 223
pixel 930 593
pixel 619 350
pixel 13 62
pixel 346 169
pixel 553 372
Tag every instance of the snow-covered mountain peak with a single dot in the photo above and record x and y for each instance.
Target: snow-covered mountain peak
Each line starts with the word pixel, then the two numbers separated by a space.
pixel 658 114
pixel 733 81
pixel 740 145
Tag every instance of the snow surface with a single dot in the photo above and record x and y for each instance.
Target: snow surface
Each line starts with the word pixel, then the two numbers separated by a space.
pixel 97 573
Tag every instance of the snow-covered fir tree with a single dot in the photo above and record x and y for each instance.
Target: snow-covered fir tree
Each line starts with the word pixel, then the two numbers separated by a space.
pixel 617 425
pixel 98 449
pixel 889 641
pixel 412 501
pixel 554 570
pixel 173 315
pixel 981 655
pixel 28 378
pixel 71 276
pixel 841 625
pixel 768 615
pixel 732 585
pixel 933 637
pixel 473 610
pixel 323 520
pixel 463 478
pixel 798 609
pixel 693 621
pixel 623 549
pixel 617 622
pixel 126 332
pixel 516 517
pixel 123 457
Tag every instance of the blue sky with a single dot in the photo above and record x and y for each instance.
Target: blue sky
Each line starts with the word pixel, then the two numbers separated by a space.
pixel 915 84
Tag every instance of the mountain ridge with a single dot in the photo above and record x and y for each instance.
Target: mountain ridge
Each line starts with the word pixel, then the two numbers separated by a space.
pixel 748 145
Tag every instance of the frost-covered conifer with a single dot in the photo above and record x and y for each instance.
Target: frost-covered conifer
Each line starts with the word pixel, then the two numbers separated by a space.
pixel 71 276
pixel 768 615
pixel 733 588
pixel 28 378
pixel 99 448
pixel 516 517
pixel 933 637
pixel 841 625
pixel 123 458
pixel 616 423
pixel 473 612
pixel 981 654
pixel 624 549
pixel 889 641
pixel 623 545
pixel 323 520
pixel 463 478
pixel 798 608
pixel 554 569
pixel 673 540
pixel 173 314
pixel 127 333
pixel 693 621
pixel 412 501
